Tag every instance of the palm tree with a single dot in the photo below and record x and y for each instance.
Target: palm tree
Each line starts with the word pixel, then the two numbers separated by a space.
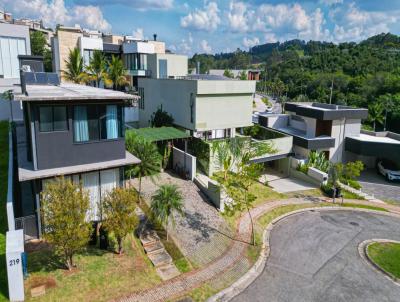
pixel 146 151
pixel 167 200
pixel 375 114
pixel 97 68
pixel 117 73
pixel 74 64
pixel 9 96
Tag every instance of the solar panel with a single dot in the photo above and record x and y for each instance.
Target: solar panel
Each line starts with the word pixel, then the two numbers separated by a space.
pixel 30 78
pixel 41 78
pixel 52 79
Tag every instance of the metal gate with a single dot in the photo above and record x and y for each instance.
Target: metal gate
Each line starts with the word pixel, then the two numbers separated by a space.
pixel 29 225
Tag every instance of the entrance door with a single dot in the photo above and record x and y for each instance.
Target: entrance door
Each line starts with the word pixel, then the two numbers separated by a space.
pixel 90 182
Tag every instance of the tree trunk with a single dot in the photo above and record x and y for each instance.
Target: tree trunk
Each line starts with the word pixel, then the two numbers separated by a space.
pixel 140 188
pixel 252 227
pixel 374 126
pixel 69 261
pixel 119 241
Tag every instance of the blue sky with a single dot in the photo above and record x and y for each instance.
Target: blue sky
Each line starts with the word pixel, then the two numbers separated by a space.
pixel 219 26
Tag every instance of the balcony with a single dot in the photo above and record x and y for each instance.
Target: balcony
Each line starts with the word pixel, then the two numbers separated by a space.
pixel 139 72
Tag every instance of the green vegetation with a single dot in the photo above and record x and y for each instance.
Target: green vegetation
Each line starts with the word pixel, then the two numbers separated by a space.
pixel 363 206
pixel 166 201
pixel 361 73
pixel 387 256
pixel 316 160
pixel 99 275
pixel 161 118
pixel 116 73
pixel 64 209
pixel 39 47
pixel 74 67
pixel 228 74
pixel 3 211
pixel 261 133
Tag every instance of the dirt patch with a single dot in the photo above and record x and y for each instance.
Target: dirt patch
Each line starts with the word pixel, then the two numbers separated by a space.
pixel 36 281
pixel 36 245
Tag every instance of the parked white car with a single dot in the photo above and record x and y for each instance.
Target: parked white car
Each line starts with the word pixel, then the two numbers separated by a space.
pixel 389 170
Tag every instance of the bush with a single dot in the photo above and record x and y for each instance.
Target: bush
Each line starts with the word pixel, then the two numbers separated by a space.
pixel 303 168
pixel 353 183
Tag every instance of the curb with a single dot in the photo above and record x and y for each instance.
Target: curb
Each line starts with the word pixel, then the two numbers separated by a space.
pixel 363 251
pixel 255 271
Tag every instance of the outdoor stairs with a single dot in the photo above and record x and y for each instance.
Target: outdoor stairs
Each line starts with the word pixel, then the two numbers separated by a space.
pixel 156 251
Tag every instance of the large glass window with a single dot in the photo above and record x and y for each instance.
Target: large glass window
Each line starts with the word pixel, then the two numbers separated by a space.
pixel 97 122
pixel 135 61
pixel 10 48
pixel 52 118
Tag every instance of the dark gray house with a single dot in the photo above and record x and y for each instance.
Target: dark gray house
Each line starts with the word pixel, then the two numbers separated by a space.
pixel 71 130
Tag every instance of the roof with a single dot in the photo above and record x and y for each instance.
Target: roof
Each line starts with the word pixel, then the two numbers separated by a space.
pixel 69 91
pixel 160 134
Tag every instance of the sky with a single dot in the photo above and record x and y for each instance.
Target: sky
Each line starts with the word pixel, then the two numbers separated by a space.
pixel 214 26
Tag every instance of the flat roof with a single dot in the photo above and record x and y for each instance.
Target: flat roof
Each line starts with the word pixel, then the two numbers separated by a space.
pixel 26 172
pixel 376 139
pixel 70 91
pixel 160 134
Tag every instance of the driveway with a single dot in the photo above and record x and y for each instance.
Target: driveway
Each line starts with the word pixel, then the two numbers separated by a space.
pixel 314 257
pixel 201 233
pixel 376 185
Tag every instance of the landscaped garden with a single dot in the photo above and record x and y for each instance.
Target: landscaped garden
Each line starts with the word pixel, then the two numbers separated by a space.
pixel 3 212
pixel 387 256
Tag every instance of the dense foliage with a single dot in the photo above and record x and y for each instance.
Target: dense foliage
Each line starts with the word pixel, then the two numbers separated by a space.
pixel 39 47
pixel 359 74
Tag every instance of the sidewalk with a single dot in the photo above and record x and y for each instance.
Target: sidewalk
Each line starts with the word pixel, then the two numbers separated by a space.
pixel 233 255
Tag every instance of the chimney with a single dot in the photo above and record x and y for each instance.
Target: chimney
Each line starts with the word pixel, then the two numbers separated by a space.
pixel 155 37
pixel 197 67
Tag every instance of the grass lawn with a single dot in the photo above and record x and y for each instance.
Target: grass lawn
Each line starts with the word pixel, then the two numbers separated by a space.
pixel 363 206
pixel 387 256
pixel 3 212
pixel 99 276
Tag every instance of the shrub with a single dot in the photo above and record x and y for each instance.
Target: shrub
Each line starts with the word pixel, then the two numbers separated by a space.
pixel 303 168
pixel 354 184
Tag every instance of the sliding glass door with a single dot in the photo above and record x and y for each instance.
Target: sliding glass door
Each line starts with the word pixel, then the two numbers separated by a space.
pixel 90 182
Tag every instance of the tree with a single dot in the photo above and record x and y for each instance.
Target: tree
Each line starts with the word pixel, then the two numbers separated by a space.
pixel 119 217
pixel 74 64
pixel 64 211
pixel 9 96
pixel 38 43
pixel 387 102
pixel 161 118
pixel 97 69
pixel 375 114
pixel 223 156
pixel 117 73
pixel 334 174
pixel 228 74
pixel 243 75
pixel 166 201
pixel 146 151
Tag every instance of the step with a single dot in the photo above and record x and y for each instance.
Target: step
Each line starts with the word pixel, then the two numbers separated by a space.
pixel 160 258
pixel 167 272
pixel 148 237
pixel 152 248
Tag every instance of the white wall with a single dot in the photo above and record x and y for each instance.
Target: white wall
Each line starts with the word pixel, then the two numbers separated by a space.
pixel 179 158
pixel 177 65
pixel 138 47
pixel 311 124
pixel 131 114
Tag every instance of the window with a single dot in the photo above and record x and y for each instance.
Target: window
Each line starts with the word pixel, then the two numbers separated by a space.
pixel 97 122
pixel 87 56
pixel 135 61
pixel 10 48
pixel 52 118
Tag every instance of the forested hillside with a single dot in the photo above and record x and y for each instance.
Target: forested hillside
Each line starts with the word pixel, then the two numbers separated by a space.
pixel 365 74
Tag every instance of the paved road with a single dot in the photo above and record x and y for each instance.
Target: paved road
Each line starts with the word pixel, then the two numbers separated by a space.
pixel 314 257
pixel 376 185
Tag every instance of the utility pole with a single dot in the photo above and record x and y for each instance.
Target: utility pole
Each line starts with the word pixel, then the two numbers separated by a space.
pixel 330 97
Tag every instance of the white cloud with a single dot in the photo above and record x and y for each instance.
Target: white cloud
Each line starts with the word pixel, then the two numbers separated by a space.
pixel 248 42
pixel 138 34
pixel 185 45
pixel 205 47
pixel 142 5
pixel 270 38
pixel 352 23
pixel 206 19
pixel 330 2
pixel 238 16
pixel 56 12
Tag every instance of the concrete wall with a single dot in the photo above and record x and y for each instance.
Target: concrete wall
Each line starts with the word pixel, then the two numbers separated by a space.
pixel 177 65
pixel 90 43
pixel 65 41
pixel 17 31
pixel 137 47
pixel 5 113
pixel 131 114
pixel 184 161
pixel 311 125
pixel 159 46
pixel 222 104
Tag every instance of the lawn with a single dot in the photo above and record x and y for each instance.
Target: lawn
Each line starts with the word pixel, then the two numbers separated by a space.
pixel 3 213
pixel 99 276
pixel 387 256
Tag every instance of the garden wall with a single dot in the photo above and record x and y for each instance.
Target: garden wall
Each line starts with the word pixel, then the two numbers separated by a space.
pixel 184 161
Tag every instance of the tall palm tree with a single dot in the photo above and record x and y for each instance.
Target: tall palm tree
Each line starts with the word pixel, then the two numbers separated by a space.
pixel 74 64
pixel 117 73
pixel 375 114
pixel 167 200
pixel 97 68
pixel 146 151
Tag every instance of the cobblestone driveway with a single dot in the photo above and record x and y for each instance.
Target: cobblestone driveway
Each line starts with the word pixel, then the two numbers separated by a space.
pixel 202 234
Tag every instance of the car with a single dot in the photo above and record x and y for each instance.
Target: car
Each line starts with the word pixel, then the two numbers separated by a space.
pixel 388 169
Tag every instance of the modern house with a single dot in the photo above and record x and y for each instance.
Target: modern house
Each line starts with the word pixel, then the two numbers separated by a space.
pixel 71 130
pixel 317 126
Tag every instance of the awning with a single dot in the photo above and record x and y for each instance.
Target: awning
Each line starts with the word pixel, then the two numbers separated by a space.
pixel 160 134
